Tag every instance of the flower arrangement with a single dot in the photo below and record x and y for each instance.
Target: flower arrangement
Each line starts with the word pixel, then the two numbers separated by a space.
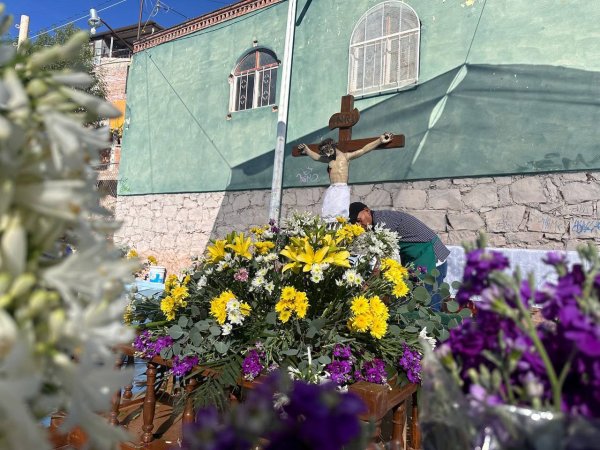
pixel 282 414
pixel 297 298
pixel 60 311
pixel 515 374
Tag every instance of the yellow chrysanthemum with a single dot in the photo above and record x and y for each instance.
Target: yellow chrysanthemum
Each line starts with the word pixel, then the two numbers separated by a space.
pixel 186 280
pixel 378 328
pixel 167 306
pixel 263 247
pixel 362 322
pixel 258 231
pixel 301 304
pixel 378 308
pixel 152 260
pixel 285 315
pixel 132 254
pixel 218 306
pixel 171 282
pixel 245 309
pixel 180 293
pixel 360 305
pixel 400 289
pixel 216 251
pixel 288 293
pixel 241 246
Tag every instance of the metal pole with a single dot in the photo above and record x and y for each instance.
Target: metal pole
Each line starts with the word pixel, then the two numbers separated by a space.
pixel 140 20
pixel 23 30
pixel 276 186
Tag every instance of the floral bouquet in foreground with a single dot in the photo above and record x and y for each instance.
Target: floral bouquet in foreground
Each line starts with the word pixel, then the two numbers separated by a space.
pixel 519 382
pixel 316 302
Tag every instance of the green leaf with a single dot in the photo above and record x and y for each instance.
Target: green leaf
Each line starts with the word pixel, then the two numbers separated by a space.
pixel 215 330
pixel 444 334
pixel 183 321
pixel 175 332
pixel 290 352
pixel 310 333
pixel 453 323
pixel 203 325
pixel 394 330
pixel 411 329
pixel 465 312
pixel 271 318
pixel 221 347
pixel 176 348
pixel 452 306
pixel 166 353
pixel 456 285
pixel 195 337
pixel 420 293
pixel 324 359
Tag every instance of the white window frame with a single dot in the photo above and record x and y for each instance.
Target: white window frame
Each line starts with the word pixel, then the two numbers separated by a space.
pixel 258 73
pixel 385 42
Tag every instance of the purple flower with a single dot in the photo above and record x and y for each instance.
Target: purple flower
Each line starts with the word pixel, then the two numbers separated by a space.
pixel 374 371
pixel 478 266
pixel 182 366
pixel 555 259
pixel 340 372
pixel 252 366
pixel 150 346
pixel 341 351
pixel 410 361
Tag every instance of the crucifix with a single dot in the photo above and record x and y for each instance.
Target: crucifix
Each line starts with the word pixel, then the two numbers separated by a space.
pixel 338 156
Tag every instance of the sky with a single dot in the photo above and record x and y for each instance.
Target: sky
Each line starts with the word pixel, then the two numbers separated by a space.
pixel 46 14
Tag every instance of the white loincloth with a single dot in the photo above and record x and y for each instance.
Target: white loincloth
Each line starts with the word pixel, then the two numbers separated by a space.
pixel 336 202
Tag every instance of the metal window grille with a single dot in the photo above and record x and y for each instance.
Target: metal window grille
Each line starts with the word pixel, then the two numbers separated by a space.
pixel 384 49
pixel 255 81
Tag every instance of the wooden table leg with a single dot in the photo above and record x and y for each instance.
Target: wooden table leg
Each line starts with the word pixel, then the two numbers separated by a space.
pixel 415 431
pixel 116 400
pixel 399 424
pixel 128 388
pixel 188 411
pixel 149 403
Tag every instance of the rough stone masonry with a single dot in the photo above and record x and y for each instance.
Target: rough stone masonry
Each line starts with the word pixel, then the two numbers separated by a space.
pixel 551 211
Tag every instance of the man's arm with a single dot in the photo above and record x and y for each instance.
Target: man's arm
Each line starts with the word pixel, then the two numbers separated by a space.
pixel 305 150
pixel 383 139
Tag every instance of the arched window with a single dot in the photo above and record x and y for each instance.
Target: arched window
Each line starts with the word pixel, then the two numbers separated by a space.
pixel 254 80
pixel 384 49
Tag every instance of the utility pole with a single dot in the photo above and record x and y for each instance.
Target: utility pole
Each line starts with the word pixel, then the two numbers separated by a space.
pixel 23 30
pixel 282 119
pixel 140 20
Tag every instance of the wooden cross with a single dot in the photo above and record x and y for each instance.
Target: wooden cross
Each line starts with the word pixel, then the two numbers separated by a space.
pixel 345 120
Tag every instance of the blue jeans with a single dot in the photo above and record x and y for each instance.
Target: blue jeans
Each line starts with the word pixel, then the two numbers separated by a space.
pixel 436 299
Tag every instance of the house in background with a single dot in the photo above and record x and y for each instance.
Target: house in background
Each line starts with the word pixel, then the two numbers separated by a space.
pixel 499 112
pixel 112 58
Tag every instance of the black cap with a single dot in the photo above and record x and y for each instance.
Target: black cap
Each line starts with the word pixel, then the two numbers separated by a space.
pixel 355 208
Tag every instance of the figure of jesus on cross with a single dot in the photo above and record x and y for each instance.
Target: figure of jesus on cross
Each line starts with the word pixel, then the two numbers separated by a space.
pixel 338 156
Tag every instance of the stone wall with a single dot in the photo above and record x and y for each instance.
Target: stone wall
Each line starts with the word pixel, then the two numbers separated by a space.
pixel 552 211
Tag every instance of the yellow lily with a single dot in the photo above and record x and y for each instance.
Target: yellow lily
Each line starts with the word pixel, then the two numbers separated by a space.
pixel 217 251
pixel 310 257
pixel 241 246
pixel 290 253
pixel 339 258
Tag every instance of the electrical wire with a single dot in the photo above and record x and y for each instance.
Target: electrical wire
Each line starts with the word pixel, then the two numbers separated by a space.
pixel 76 20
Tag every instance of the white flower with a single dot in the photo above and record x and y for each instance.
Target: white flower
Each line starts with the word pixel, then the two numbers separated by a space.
pixel 430 340
pixel 202 281
pixel 232 305
pixel 270 257
pixel 352 278
pixel 235 317
pixel 269 287
pixel 8 333
pixel 226 329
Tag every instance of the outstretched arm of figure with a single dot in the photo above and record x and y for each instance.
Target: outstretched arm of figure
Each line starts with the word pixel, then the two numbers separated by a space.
pixel 307 151
pixel 383 139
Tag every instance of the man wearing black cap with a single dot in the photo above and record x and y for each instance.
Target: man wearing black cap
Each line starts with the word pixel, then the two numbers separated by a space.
pixel 418 243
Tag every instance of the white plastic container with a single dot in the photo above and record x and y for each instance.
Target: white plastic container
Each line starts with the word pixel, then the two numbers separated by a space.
pixel 157 274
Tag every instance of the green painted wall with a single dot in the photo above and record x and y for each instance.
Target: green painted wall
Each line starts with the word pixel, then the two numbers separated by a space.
pixel 525 101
